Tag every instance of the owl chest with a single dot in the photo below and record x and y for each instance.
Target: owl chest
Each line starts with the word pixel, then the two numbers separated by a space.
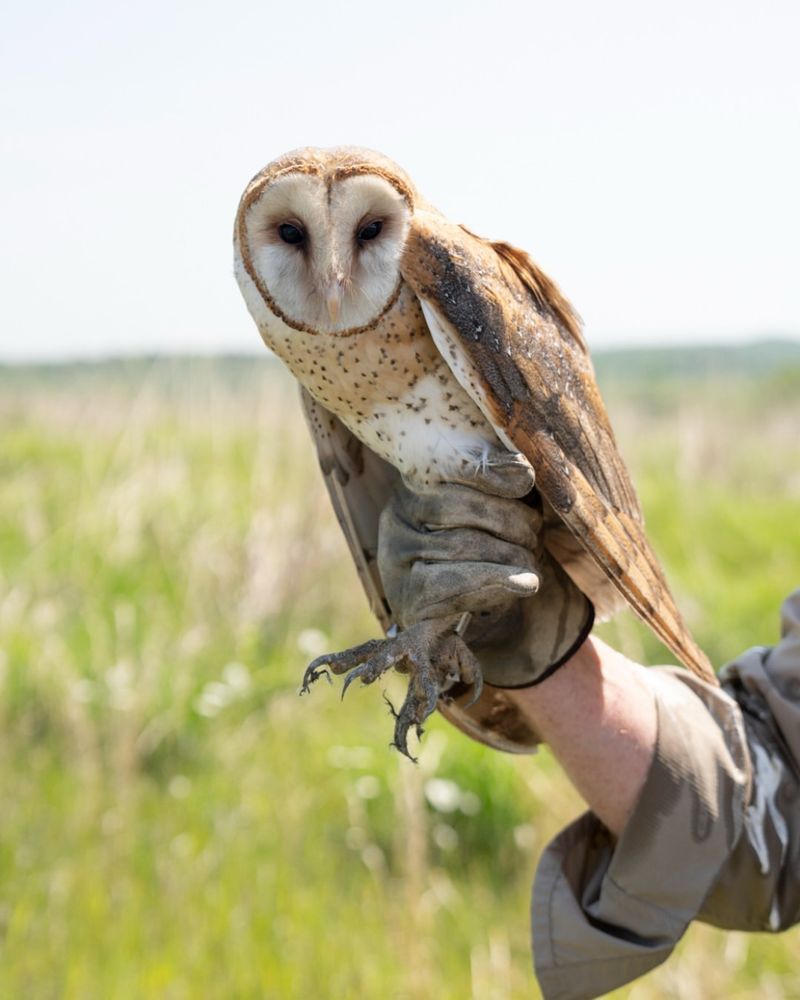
pixel 390 386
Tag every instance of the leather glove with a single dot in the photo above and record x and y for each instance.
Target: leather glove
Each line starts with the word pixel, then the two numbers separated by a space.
pixel 473 545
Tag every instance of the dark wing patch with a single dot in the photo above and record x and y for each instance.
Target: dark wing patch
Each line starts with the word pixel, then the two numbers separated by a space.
pixel 524 351
pixel 543 290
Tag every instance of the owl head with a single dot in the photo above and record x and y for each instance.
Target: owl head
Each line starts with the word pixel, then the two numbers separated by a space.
pixel 319 235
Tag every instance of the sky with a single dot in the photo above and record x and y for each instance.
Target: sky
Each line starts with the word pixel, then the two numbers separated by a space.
pixel 646 155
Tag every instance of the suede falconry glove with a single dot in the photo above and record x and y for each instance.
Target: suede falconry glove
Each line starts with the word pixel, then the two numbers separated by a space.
pixel 473 545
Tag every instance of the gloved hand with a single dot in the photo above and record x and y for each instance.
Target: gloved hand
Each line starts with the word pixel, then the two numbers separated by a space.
pixel 473 546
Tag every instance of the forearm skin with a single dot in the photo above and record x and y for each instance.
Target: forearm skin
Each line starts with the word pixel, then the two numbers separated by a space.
pixel 598 715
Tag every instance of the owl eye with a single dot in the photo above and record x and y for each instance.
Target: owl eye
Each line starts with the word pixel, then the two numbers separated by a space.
pixel 370 231
pixel 291 234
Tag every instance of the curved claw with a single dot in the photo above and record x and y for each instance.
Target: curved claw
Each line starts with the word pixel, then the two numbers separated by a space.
pixel 477 689
pixel 316 669
pixel 349 680
pixel 400 741
pixel 400 744
pixel 402 724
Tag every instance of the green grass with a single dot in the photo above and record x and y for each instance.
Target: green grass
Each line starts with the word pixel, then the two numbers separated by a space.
pixel 177 823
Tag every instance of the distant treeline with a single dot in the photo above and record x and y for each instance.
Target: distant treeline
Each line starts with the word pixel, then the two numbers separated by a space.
pixel 623 366
pixel 647 364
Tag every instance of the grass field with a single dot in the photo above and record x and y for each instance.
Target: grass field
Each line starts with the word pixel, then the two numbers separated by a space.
pixel 176 823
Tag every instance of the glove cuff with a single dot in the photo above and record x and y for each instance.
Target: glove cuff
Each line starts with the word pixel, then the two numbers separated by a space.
pixel 580 639
pixel 538 636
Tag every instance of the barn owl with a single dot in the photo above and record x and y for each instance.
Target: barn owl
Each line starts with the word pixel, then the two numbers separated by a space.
pixel 422 350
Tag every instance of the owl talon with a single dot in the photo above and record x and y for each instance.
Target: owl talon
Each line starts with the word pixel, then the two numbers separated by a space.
pixel 412 713
pixel 430 651
pixel 477 690
pixel 367 673
pixel 312 675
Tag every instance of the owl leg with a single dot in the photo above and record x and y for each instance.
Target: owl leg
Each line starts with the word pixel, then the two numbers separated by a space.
pixel 453 662
pixel 431 652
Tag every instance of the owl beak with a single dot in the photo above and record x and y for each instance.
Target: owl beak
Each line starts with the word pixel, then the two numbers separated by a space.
pixel 333 299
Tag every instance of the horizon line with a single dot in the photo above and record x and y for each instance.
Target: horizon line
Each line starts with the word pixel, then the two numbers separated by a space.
pixel 259 351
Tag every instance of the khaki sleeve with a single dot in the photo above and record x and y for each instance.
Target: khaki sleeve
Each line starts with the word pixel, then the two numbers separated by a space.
pixel 714 836
pixel 759 887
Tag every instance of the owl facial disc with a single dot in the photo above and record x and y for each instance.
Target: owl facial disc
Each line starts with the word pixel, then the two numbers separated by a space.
pixel 324 249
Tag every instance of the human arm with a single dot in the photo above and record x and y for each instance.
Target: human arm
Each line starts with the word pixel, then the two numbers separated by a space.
pixel 462 548
pixel 695 804
pixel 598 716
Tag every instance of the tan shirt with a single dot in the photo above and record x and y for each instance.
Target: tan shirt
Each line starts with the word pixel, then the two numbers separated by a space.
pixel 715 834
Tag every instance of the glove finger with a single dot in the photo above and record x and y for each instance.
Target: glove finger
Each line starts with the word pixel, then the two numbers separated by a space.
pixel 501 473
pixel 449 588
pixel 403 546
pixel 452 506
pixel 494 601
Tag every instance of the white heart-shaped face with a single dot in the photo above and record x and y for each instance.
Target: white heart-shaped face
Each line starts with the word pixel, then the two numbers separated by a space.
pixel 327 250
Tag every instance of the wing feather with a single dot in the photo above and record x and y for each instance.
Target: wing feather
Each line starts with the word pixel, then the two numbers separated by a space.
pixel 515 345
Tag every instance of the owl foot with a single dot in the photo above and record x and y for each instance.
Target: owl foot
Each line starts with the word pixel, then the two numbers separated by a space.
pixel 432 652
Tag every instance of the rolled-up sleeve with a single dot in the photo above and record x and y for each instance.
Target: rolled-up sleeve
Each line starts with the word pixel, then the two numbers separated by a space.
pixel 714 836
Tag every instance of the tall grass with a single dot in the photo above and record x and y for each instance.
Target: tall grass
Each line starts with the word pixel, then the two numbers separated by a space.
pixel 176 822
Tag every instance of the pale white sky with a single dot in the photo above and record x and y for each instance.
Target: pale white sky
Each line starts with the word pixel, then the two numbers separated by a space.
pixel 647 155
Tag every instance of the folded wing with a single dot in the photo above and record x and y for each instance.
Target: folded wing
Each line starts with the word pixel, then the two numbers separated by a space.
pixel 515 345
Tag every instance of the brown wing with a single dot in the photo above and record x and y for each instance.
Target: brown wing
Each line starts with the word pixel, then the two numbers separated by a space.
pixel 359 483
pixel 515 345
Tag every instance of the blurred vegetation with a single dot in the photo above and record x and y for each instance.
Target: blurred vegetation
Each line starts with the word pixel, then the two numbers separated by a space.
pixel 177 823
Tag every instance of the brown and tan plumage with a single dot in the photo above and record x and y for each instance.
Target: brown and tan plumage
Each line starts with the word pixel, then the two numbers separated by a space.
pixel 433 347
pixel 529 370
